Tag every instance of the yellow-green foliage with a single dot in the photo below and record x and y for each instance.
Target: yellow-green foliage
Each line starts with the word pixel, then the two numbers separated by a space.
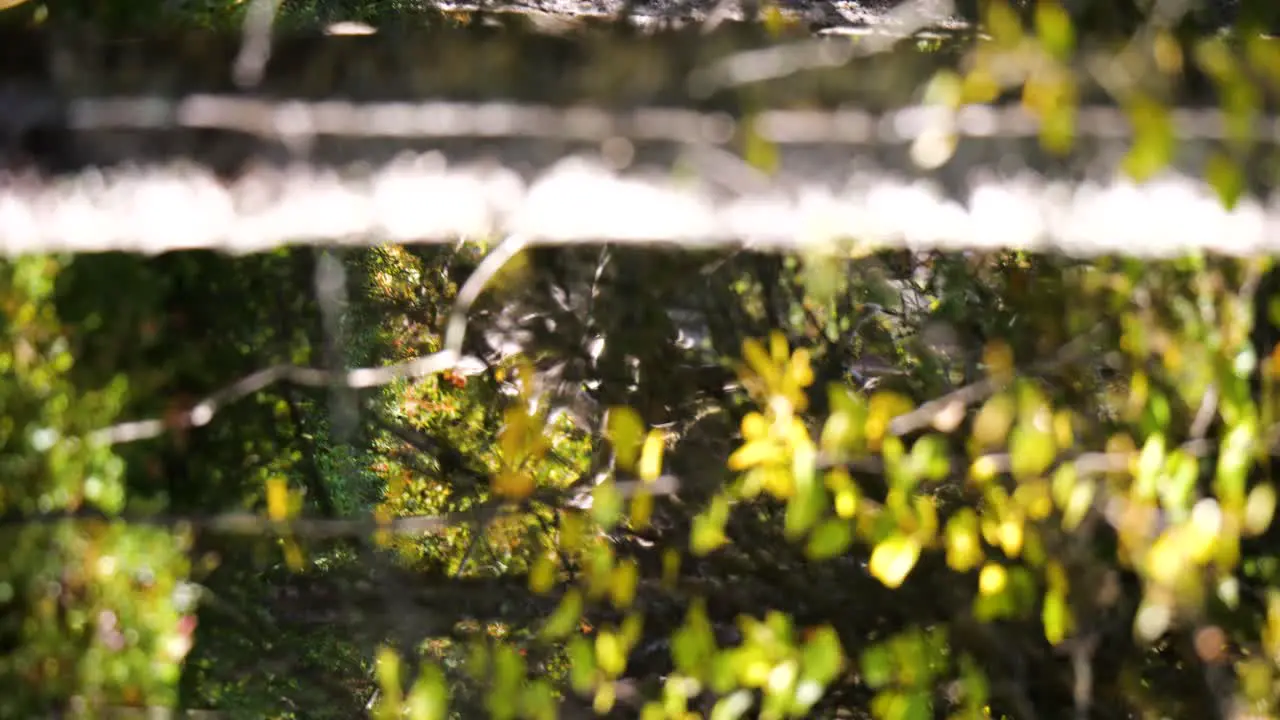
pixel 92 609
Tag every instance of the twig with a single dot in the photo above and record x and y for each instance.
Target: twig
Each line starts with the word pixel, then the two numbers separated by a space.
pixel 330 278
pixel 929 412
pixel 1204 415
pixel 255 48
pixel 479 536
pixel 247 523
pixel 447 458
pixel 81 707
pixel 475 284
pixel 1082 652
pixel 754 66
pixel 359 378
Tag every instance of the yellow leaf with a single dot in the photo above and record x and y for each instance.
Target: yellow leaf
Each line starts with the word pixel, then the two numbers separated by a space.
pixel 607 503
pixel 1260 509
pixel 1202 531
pixel 778 482
pixel 606 695
pixel 651 456
pixel 707 536
pixel 1056 616
pixel 837 432
pixel 1078 502
pixel 800 371
pixel 893 559
pixel 277 498
pixel 1271 631
pixel 1154 139
pixel 1003 23
pixel 758 360
pixel 984 469
pixel 528 377
pixel 641 510
pixel 670 568
pixel 927 514
pixel 798 436
pixel 565 617
pixel 573 532
pixel 623 428
pixel 1167 559
pixel 964 551
pixel 1063 428
pixel 759 151
pixel 847 503
pixel 511 441
pixel 993 579
pixel 998 357
pixel 610 653
pixel 622 587
pixel 540 442
pixel 1056 31
pixel 754 426
pixel 1010 534
pixel 838 479
pixel 980 86
pixel 778 349
pixel 543 573
pixel 387 671
pixel 774 21
pixel 293 555
pixel 756 452
pixel 883 408
pixel 991 426
pixel 1035 498
pixel 513 485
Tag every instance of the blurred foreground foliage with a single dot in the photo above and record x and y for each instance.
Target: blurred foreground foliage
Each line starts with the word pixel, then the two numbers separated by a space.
pixel 906 484
pixel 92 609
pixel 910 484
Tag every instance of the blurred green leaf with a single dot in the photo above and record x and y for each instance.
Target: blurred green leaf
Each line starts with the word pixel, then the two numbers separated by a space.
pixel 388 672
pixel 1226 178
pixel 610 653
pixel 1031 450
pixel 759 152
pixel 429 698
pixel 876 666
pixel 1260 509
pixel 1055 29
pixel 582 665
pixel 1055 616
pixel 1154 140
pixel 607 504
pixel 625 432
pixel 830 538
pixel 566 616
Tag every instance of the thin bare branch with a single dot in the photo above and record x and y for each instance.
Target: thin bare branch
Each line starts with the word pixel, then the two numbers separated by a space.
pixel 929 413
pixel 247 523
pixel 203 411
pixel 255 48
pixel 359 378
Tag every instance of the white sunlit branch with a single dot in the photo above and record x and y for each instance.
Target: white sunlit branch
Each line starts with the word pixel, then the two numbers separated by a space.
pixel 611 185
pixel 448 358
